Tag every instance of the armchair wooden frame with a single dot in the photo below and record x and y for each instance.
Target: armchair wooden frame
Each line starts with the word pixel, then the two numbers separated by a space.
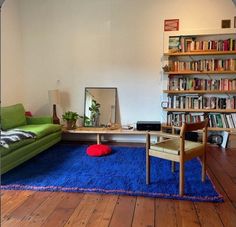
pixel 183 153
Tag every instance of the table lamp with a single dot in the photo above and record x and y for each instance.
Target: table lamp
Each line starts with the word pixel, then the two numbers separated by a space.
pixel 54 99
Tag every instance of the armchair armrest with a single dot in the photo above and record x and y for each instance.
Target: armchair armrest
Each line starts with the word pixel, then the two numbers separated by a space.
pixel 39 120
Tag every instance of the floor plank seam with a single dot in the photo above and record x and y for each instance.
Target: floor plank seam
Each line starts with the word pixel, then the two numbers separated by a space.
pixel 134 210
pixel 216 179
pixel 198 218
pixel 33 210
pixel 213 157
pixel 109 224
pixel 8 216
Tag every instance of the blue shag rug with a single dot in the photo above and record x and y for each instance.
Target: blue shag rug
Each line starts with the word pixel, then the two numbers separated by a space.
pixel 67 168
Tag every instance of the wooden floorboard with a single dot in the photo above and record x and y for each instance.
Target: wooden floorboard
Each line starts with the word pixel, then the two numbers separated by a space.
pixel 103 211
pixel 63 210
pixel 186 214
pixel 221 173
pixel 144 212
pixel 84 210
pixel 46 209
pixel 123 211
pixel 207 214
pixel 165 214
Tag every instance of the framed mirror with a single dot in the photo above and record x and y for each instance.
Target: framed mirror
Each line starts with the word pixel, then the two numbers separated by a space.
pixel 100 106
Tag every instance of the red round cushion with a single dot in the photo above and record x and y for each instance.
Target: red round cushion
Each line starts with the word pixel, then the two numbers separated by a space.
pixel 97 150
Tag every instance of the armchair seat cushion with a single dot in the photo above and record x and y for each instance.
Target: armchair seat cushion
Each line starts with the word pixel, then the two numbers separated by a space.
pixel 42 129
pixel 172 146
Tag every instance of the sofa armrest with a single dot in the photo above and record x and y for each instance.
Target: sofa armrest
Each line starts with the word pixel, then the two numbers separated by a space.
pixel 39 120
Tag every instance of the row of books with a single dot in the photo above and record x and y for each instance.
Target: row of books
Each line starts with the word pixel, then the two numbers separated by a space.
pixel 177 119
pixel 186 83
pixel 222 120
pixel 189 43
pixel 215 120
pixel 201 102
pixel 204 65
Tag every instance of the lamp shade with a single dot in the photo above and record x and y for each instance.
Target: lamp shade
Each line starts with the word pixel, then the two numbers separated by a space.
pixel 54 97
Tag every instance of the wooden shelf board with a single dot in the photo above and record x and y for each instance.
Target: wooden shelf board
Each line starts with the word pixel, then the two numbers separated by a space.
pixel 209 128
pixel 210 52
pixel 199 72
pixel 102 131
pixel 201 110
pixel 198 92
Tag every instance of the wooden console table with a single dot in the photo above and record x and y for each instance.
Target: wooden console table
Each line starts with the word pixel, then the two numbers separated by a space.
pixel 105 131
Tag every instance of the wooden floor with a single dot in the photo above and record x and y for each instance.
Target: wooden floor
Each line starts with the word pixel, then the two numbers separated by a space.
pixel 28 208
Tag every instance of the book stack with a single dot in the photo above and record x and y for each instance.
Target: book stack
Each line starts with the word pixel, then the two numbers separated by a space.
pixel 177 119
pixel 200 102
pixel 216 120
pixel 222 120
pixel 190 43
pixel 203 65
pixel 187 83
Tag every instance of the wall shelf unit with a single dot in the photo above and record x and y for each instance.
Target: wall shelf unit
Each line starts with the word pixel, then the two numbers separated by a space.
pixel 200 79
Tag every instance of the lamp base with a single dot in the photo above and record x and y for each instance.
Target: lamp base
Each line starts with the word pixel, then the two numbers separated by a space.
pixel 55 119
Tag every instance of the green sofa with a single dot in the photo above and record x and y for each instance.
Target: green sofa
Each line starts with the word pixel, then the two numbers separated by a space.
pixel 46 135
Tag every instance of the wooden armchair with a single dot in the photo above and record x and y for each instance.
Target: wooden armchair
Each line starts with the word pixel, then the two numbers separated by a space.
pixel 179 150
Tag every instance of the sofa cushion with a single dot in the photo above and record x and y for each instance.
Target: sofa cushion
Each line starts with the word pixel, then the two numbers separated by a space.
pixel 41 130
pixel 4 151
pixel 39 120
pixel 12 116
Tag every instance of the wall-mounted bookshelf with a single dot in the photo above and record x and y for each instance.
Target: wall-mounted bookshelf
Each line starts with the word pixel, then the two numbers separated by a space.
pixel 202 53
pixel 201 70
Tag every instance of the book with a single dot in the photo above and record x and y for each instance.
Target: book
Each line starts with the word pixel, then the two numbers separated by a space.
pixel 174 44
pixel 225 139
pixel 219 121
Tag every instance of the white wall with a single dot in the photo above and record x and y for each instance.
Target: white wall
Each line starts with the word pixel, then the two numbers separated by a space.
pixel 71 44
pixel 12 87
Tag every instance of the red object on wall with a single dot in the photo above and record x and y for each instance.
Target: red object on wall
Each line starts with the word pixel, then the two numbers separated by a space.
pixel 97 150
pixel 28 114
pixel 171 25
